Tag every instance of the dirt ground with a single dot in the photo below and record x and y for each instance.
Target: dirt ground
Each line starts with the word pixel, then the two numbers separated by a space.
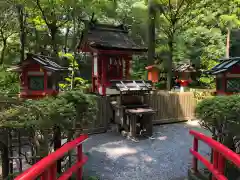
pixel 167 157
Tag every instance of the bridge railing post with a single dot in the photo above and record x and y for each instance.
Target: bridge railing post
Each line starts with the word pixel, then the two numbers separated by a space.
pixel 221 163
pixel 195 160
pixel 50 173
pixel 79 158
pixel 215 162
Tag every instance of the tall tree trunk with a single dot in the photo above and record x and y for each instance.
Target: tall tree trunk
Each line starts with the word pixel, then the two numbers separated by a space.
pixel 22 31
pixel 3 51
pixel 37 43
pixel 66 40
pixel 53 30
pixel 169 64
pixel 151 32
pixel 228 42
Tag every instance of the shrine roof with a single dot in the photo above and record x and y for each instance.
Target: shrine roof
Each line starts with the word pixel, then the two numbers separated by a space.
pixel 46 62
pixel 186 67
pixel 109 37
pixel 224 65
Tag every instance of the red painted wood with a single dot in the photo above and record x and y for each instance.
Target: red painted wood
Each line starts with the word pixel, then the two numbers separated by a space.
pixel 220 153
pixel 44 165
pixel 30 66
pixel 215 162
pixel 79 158
pixel 195 160
pixel 221 163
pixel 66 175
pixel 235 69
pixel 210 167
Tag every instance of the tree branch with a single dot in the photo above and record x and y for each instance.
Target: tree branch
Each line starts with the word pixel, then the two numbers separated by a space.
pixel 160 8
pixel 178 9
pixel 42 11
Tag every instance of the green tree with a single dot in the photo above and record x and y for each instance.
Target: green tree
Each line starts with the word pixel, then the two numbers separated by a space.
pixel 8 26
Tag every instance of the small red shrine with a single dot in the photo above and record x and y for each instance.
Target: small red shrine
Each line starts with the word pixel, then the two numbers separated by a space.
pixel 153 73
pixel 184 73
pixel 112 49
pixel 39 76
pixel 227 74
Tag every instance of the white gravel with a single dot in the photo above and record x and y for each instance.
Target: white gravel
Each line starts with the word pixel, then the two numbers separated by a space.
pixel 167 157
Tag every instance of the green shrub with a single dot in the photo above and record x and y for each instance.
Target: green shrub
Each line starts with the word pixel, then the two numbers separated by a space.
pixel 200 95
pixel 221 113
pixel 9 82
pixel 61 110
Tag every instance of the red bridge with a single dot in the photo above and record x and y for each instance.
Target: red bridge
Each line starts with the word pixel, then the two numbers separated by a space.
pixel 46 168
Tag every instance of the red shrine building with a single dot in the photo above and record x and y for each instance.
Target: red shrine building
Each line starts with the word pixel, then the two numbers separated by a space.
pixel 227 74
pixel 112 49
pixel 39 76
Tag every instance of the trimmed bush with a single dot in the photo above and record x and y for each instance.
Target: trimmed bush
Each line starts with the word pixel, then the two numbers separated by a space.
pixel 61 110
pixel 221 115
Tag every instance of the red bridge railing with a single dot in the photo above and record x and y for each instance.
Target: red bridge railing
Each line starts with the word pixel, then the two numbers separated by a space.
pixel 46 168
pixel 220 155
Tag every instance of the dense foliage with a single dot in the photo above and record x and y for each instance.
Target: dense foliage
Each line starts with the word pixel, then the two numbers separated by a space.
pixel 65 110
pixel 185 29
pixel 9 82
pixel 220 115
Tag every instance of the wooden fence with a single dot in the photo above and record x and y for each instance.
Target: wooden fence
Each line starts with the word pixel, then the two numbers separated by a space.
pixel 172 106
pixel 101 121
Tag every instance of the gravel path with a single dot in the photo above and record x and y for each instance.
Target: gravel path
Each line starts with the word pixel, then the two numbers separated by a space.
pixel 112 157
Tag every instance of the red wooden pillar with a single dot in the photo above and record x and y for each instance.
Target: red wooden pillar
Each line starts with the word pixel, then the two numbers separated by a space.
pixel 45 81
pixel 99 72
pixel 79 158
pixel 224 81
pixel 127 67
pixel 195 160
pixel 121 67
pixel 215 162
pixel 221 163
pixel 105 60
pixel 93 77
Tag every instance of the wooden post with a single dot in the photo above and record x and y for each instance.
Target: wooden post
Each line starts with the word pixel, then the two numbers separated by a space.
pixel 195 160
pixel 104 60
pixel 215 162
pixel 57 145
pixel 20 151
pixel 4 155
pixel 127 67
pixel 10 151
pixel 79 158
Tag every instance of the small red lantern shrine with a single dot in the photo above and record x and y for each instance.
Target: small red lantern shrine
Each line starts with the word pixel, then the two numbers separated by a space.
pixel 153 73
pixel 227 74
pixel 112 50
pixel 39 76
pixel 183 72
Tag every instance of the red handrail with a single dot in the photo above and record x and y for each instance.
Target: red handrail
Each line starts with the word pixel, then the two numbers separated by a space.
pixel 220 153
pixel 46 167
